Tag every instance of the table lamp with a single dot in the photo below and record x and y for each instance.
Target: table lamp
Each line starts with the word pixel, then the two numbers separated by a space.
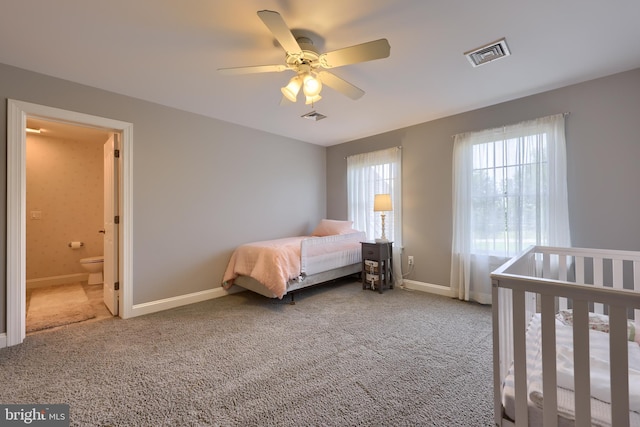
pixel 382 203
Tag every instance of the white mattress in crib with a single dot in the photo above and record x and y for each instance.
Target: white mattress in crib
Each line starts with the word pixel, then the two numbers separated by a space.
pixel 600 410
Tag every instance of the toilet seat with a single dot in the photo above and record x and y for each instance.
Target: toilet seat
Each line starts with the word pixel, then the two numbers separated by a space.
pixel 91 260
pixel 94 266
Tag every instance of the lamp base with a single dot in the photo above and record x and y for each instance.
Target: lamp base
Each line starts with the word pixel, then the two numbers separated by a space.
pixel 382 241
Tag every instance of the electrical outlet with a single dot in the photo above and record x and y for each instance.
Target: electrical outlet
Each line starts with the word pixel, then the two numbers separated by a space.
pixel 410 259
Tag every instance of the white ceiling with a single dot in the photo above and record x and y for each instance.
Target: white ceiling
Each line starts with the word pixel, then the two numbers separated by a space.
pixel 54 129
pixel 168 51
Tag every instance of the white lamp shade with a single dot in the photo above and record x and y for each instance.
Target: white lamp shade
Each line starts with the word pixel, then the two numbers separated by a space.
pixel 311 86
pixel 312 99
pixel 290 91
pixel 382 203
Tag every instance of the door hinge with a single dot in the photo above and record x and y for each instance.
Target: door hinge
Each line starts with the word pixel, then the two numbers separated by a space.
pixel 116 286
pixel 116 154
pixel 116 219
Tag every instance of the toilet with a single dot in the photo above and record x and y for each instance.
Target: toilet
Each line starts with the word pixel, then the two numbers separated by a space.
pixel 94 266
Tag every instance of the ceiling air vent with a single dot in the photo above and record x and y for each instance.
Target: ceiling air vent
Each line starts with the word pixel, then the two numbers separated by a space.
pixel 313 116
pixel 488 53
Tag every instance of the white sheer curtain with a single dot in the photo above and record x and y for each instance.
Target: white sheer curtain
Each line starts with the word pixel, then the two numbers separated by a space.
pixel 368 174
pixel 509 192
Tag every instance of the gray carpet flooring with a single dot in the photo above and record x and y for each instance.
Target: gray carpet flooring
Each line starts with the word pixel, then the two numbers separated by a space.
pixel 341 356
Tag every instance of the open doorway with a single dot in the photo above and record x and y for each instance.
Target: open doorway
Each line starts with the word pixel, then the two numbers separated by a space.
pixel 17 114
pixel 68 181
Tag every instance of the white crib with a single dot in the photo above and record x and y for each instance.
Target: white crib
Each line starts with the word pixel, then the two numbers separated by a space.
pixel 532 348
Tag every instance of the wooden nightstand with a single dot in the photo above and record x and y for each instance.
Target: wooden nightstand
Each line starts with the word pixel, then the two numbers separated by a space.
pixel 377 265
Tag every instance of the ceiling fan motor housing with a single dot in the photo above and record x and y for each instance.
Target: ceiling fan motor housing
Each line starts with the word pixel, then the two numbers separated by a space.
pixel 306 60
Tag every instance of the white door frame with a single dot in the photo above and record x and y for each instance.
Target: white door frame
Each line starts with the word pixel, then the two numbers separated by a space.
pixel 110 230
pixel 17 113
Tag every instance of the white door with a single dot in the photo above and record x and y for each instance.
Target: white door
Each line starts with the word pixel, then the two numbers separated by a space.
pixel 111 286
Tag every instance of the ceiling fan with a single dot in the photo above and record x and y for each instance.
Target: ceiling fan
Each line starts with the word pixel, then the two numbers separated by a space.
pixel 309 65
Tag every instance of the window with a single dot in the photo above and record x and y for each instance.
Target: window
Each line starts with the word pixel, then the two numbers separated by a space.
pixel 368 174
pixel 509 193
pixel 509 190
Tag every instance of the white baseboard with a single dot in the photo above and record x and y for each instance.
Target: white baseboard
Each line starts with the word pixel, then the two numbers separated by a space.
pixel 57 280
pixel 169 303
pixel 179 301
pixel 429 288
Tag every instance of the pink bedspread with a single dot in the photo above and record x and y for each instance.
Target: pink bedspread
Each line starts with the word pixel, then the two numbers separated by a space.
pixel 272 262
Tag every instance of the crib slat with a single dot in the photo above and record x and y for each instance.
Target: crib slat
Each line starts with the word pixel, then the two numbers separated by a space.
pixel 597 271
pixel 549 375
pixel 562 275
pixel 617 274
pixel 598 280
pixel 582 385
pixel 562 268
pixel 579 269
pixel 498 373
pixel 636 286
pixel 502 308
pixel 546 266
pixel 619 357
pixel 505 323
pixel 520 357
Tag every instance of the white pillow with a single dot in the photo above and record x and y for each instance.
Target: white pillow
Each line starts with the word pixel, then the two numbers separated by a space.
pixel 330 227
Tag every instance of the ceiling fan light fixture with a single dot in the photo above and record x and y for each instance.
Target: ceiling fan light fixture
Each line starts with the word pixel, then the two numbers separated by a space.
pixel 311 86
pixel 312 99
pixel 290 91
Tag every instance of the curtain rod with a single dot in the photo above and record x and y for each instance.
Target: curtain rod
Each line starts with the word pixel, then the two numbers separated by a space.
pixel 399 147
pixel 565 114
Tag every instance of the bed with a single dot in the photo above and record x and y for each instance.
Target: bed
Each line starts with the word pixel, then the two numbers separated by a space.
pixel 566 338
pixel 279 267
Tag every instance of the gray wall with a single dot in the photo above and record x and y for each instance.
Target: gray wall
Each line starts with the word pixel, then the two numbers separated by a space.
pixel 200 186
pixel 203 186
pixel 603 150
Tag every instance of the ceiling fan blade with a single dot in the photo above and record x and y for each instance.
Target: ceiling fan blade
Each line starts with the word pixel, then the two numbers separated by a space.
pixel 369 51
pixel 280 31
pixel 342 86
pixel 253 69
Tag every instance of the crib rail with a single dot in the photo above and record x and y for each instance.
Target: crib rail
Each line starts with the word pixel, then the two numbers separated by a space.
pixel 545 280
